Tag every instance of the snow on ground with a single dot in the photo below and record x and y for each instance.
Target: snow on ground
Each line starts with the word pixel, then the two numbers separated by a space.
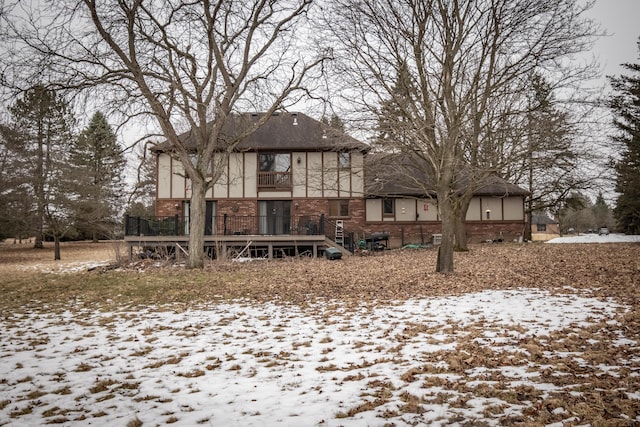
pixel 595 238
pixel 433 361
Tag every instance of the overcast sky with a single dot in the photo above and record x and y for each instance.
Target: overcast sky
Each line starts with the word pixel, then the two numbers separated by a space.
pixel 620 19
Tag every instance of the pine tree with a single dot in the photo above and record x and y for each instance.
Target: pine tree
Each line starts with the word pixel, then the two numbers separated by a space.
pixel 335 122
pixel 42 125
pixel 394 127
pixel 99 165
pixel 625 105
pixel 601 212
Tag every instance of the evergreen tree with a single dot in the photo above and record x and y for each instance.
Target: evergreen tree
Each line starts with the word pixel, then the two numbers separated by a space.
pixel 626 108
pixel 601 212
pixel 42 126
pixel 548 167
pixel 16 201
pixel 394 127
pixel 335 122
pixel 99 165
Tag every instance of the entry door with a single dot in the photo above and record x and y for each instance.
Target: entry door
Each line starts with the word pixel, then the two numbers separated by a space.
pixel 275 217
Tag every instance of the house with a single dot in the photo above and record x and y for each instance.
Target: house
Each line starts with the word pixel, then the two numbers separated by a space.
pixel 401 204
pixel 298 185
pixel 543 227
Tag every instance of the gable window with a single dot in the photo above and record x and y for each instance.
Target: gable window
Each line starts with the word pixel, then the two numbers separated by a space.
pixel 344 160
pixel 274 171
pixel 339 208
pixel 388 207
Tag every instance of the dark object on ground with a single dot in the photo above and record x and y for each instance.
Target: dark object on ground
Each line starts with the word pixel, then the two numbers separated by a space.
pixel 332 253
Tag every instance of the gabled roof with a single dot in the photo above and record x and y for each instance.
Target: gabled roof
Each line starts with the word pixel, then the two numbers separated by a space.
pixel 394 175
pixel 282 131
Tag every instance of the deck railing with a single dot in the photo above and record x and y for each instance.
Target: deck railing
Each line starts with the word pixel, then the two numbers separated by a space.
pixel 311 225
pixel 233 225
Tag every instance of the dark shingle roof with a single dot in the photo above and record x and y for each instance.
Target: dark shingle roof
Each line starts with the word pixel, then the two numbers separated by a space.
pixel 393 175
pixel 282 131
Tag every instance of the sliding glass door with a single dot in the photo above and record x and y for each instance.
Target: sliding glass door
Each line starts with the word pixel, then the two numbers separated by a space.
pixel 275 217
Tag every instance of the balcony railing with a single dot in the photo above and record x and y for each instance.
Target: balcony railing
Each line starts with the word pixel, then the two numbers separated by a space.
pixel 274 180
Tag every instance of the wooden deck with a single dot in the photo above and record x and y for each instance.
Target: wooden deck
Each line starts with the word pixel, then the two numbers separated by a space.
pixel 232 245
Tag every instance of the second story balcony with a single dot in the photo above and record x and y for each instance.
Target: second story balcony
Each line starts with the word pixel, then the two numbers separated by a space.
pixel 274 181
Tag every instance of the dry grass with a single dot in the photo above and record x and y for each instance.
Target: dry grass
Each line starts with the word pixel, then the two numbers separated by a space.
pixel 19 257
pixel 611 270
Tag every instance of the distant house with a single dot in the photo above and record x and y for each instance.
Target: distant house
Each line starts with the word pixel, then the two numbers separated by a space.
pixel 543 227
pixel 299 185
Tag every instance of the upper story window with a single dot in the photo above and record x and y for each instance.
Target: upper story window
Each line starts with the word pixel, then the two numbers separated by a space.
pixel 274 170
pixel 275 162
pixel 344 160
pixel 388 207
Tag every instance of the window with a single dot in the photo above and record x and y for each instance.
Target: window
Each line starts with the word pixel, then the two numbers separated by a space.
pixel 542 227
pixel 387 207
pixel 275 162
pixel 344 160
pixel 274 171
pixel 338 208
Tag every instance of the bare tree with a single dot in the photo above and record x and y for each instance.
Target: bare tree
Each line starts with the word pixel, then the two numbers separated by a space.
pixel 450 69
pixel 189 65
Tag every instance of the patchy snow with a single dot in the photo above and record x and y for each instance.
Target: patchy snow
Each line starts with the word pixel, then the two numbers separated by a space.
pixel 433 361
pixel 595 238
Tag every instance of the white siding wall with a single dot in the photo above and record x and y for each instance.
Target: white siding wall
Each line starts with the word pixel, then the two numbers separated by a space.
pixel 357 174
pixel 236 175
pixel 330 178
pixel 427 210
pixel 405 210
pixel 344 185
pixel 373 207
pixel 178 180
pixel 314 175
pixel 220 188
pixel 473 213
pixel 299 174
pixel 250 177
pixel 164 176
pixel 513 208
pixel 495 205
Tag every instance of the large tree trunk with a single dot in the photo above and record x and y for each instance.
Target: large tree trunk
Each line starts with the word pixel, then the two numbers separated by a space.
pixel 462 206
pixel 445 251
pixel 196 225
pixel 460 244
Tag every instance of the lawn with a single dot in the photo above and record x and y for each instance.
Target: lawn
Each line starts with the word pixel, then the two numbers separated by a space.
pixel 529 334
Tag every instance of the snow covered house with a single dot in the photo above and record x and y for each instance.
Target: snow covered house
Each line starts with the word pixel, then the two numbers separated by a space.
pixel 297 185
